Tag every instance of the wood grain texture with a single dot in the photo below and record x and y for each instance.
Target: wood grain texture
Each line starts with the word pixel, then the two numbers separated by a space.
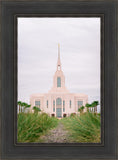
pixel 104 9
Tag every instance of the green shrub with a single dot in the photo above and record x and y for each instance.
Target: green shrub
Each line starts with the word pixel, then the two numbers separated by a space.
pixel 73 115
pixel 32 126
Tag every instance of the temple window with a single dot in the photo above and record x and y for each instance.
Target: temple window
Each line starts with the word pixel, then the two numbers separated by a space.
pixel 47 103
pixel 79 103
pixel 37 104
pixel 63 103
pixel 58 101
pixel 63 106
pixel 58 82
pixel 53 102
pixel 53 105
pixel 70 103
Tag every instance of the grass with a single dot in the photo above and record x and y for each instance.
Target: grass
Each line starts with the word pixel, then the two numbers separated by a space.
pixel 32 126
pixel 84 128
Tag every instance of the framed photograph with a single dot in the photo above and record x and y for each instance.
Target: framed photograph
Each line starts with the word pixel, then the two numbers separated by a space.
pixel 59 114
pixel 59 79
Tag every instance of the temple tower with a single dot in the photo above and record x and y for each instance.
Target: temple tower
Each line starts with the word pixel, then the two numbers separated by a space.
pixel 59 78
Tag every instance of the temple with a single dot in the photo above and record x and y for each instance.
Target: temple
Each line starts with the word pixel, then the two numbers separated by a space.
pixel 59 102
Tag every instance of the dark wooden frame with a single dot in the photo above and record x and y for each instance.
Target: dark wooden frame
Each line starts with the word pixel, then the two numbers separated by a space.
pixel 107 10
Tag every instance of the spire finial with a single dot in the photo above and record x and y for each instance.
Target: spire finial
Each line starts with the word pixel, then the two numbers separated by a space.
pixel 58 62
pixel 58 51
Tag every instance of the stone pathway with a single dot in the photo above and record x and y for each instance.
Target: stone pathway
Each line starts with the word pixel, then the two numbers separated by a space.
pixel 56 135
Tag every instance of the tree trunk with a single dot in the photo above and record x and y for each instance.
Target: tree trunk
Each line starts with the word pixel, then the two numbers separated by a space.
pixel 94 109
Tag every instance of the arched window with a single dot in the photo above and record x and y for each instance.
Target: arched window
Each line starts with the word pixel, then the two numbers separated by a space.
pixel 58 101
pixel 53 102
pixel 63 103
pixel 58 82
pixel 70 103
pixel 63 106
pixel 47 103
pixel 53 105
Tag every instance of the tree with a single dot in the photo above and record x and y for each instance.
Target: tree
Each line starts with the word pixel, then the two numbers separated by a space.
pixel 19 103
pixel 81 109
pixel 88 106
pixel 36 109
pixel 27 106
pixel 23 104
pixel 95 104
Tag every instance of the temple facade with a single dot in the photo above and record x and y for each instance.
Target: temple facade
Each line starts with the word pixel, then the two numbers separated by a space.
pixel 59 102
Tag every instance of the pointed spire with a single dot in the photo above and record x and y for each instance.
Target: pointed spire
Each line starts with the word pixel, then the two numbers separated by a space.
pixel 58 51
pixel 58 62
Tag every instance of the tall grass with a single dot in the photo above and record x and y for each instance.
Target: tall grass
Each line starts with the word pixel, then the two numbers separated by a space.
pixel 32 126
pixel 83 129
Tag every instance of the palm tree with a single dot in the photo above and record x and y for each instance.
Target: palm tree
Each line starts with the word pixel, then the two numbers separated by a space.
pixel 36 109
pixel 81 109
pixel 95 104
pixel 23 105
pixel 88 106
pixel 27 106
pixel 19 103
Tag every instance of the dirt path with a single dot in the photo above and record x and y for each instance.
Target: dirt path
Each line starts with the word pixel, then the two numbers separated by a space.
pixel 56 135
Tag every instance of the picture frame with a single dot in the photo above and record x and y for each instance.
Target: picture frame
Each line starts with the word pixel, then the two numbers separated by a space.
pixel 13 9
pixel 101 16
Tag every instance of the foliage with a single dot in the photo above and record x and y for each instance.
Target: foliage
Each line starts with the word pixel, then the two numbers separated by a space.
pixel 85 128
pixel 88 106
pixel 92 105
pixel 73 114
pixel 23 106
pixel 95 103
pixel 32 126
pixel 81 109
pixel 36 109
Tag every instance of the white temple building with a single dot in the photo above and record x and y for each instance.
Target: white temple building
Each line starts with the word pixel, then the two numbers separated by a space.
pixel 59 102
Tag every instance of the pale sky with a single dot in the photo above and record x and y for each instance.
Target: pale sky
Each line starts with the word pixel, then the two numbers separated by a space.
pixel 38 40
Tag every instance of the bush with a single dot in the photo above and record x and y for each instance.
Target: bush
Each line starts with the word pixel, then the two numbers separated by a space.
pixel 44 114
pixel 73 115
pixel 32 126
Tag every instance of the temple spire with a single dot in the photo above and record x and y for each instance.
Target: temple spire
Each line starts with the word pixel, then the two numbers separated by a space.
pixel 58 51
pixel 58 62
